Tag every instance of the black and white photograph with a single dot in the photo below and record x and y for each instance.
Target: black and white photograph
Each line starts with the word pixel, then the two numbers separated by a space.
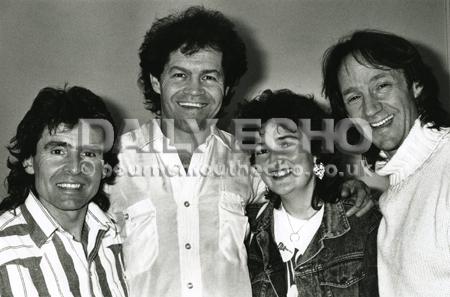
pixel 225 148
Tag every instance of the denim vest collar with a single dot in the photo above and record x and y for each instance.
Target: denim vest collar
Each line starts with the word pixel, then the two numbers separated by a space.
pixel 334 224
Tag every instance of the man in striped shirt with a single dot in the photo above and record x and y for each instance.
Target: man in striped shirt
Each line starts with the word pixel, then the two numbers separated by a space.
pixel 55 237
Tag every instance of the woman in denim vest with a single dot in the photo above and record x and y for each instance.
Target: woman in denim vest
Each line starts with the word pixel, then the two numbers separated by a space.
pixel 302 243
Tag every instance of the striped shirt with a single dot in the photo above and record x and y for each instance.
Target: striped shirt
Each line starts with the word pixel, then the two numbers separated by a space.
pixel 39 258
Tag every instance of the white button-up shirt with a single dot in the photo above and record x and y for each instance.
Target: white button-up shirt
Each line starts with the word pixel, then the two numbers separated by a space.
pixel 184 232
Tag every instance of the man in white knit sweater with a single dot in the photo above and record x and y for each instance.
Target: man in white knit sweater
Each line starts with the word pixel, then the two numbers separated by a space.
pixel 381 78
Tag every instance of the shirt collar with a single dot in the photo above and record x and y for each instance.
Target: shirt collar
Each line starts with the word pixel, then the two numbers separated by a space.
pixel 43 225
pixel 151 132
pixel 413 152
pixel 334 224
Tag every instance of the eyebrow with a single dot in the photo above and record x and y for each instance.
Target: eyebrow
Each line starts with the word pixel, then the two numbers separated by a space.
pixel 206 71
pixel 374 78
pixel 54 143
pixel 379 75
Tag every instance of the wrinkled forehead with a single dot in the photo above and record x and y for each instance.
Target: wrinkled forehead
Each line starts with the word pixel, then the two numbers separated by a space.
pixel 357 60
pixel 76 135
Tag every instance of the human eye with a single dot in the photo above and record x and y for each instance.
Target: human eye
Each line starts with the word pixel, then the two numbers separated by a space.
pixel 91 154
pixel 179 75
pixel 210 77
pixel 57 151
pixel 285 144
pixel 352 99
pixel 383 85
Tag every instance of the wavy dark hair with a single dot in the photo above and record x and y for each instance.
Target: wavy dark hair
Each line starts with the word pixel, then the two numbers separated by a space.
pixel 286 104
pixel 383 50
pixel 191 30
pixel 50 108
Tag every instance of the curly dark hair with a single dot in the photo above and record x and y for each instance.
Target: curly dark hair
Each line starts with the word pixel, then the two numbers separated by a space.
pixel 380 49
pixel 286 104
pixel 191 30
pixel 50 108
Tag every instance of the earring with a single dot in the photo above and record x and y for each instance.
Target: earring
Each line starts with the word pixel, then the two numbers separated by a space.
pixel 319 170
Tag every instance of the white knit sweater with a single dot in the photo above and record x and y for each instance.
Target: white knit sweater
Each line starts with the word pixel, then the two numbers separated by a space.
pixel 414 234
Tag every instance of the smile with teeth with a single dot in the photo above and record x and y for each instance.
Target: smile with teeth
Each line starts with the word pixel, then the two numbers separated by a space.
pixel 69 186
pixel 192 104
pixel 280 173
pixel 382 122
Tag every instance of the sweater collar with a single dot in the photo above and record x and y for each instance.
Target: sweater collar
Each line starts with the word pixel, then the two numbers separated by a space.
pixel 413 152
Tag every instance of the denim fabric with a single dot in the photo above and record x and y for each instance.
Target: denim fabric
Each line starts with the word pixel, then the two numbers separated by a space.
pixel 340 261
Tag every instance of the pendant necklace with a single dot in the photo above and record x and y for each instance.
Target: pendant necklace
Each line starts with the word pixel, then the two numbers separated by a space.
pixel 295 236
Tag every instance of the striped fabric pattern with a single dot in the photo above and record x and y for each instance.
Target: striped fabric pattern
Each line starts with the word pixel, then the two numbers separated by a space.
pixel 39 258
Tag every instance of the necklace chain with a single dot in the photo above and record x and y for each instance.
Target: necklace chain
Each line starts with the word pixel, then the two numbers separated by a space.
pixel 294 237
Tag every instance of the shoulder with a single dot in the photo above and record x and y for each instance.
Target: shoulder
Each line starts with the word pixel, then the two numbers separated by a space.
pixel 366 223
pixel 135 137
pixel 257 211
pixel 11 218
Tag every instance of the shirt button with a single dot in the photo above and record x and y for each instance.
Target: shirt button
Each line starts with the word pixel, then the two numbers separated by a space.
pixel 186 203
pixel 190 285
pixel 187 246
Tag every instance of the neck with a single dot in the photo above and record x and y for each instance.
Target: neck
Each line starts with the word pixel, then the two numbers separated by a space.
pixel 185 137
pixel 298 203
pixel 70 221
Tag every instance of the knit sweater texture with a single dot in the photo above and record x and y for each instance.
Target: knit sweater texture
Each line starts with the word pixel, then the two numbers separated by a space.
pixel 414 234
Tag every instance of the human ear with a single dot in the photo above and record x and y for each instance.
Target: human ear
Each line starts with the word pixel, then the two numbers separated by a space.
pixel 155 84
pixel 417 89
pixel 28 165
pixel 106 169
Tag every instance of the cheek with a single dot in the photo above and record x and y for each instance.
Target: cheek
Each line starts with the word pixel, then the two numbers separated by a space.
pixel 93 169
pixel 266 180
pixel 353 111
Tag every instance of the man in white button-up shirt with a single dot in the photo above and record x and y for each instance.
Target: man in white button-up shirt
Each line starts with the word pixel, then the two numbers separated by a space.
pixel 183 183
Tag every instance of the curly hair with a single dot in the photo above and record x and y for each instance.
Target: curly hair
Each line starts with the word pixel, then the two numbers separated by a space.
pixel 50 108
pixel 288 105
pixel 191 30
pixel 383 50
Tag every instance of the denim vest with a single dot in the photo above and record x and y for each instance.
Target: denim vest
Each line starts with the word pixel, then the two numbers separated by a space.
pixel 340 261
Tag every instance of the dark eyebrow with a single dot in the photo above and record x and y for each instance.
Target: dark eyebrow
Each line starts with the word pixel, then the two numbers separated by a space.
pixel 207 71
pixel 54 143
pixel 179 68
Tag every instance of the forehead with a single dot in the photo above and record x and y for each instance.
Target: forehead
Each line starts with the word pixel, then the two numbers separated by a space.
pixel 203 58
pixel 75 136
pixel 358 70
pixel 280 127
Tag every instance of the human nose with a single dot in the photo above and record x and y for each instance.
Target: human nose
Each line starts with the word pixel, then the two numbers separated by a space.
pixel 277 158
pixel 73 163
pixel 371 105
pixel 194 87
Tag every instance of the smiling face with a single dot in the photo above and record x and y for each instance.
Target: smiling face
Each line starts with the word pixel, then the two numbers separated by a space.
pixel 284 165
pixel 191 87
pixel 67 176
pixel 382 98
